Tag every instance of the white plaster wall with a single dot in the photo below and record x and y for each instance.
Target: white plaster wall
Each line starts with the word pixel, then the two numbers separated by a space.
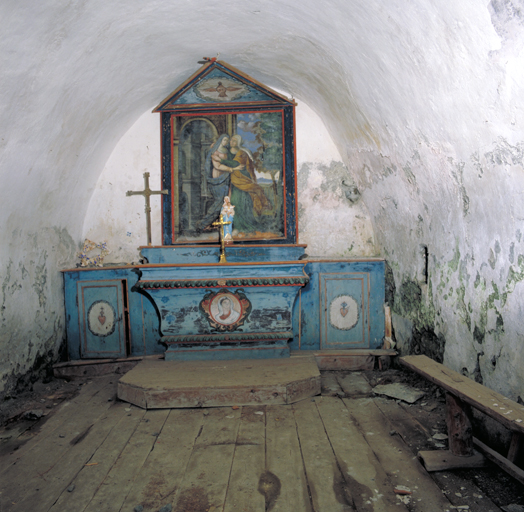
pixel 330 224
pixel 116 218
pixel 423 100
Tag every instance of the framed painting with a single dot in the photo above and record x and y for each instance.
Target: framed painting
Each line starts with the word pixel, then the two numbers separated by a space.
pixel 227 138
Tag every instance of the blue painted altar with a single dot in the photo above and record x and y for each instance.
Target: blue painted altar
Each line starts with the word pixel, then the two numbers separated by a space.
pixel 157 306
pixel 226 140
pixel 233 310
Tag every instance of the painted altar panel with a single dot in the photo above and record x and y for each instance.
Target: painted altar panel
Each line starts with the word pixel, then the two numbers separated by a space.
pixel 225 134
pixel 344 301
pixel 142 337
pixel 217 86
pixel 214 311
pixel 239 155
pixel 311 314
pixel 102 325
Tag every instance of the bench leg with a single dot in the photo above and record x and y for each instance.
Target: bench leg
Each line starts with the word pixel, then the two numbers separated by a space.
pixel 459 426
pixel 516 441
pixel 460 440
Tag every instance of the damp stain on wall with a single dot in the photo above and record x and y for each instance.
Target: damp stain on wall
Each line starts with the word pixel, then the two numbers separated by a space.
pixel 31 307
pixel 333 220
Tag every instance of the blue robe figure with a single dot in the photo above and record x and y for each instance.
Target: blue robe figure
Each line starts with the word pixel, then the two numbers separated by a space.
pixel 218 178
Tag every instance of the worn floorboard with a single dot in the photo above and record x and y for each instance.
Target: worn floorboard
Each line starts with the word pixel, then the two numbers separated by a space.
pixel 366 482
pixel 116 485
pixel 330 385
pixel 206 479
pixel 84 484
pixel 249 464
pixel 395 457
pixel 160 477
pixel 98 393
pixel 47 463
pixel 318 455
pixel 286 487
pixel 324 477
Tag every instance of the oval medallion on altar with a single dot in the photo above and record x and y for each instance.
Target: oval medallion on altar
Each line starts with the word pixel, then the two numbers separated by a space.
pixel 101 318
pixel 343 312
pixel 225 310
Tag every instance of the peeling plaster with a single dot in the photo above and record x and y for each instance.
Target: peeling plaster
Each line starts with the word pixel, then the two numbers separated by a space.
pixel 32 306
pixel 330 223
pixel 474 295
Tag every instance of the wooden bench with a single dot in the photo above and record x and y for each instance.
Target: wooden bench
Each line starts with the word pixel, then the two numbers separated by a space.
pixel 463 393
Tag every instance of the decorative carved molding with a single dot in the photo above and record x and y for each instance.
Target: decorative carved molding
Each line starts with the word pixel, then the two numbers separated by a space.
pixel 225 337
pixel 218 283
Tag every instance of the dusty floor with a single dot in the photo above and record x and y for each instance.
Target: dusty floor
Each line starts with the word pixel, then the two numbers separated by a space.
pixel 24 417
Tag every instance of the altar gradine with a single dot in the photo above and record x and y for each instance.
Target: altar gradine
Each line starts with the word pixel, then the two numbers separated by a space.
pixel 228 155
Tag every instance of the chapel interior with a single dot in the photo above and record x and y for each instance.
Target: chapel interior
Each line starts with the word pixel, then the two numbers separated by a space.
pixel 409 152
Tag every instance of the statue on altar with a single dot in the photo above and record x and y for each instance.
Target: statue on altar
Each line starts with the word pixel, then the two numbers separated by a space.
pixel 228 212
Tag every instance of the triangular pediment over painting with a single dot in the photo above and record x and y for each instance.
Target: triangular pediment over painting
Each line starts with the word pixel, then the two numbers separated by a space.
pixel 218 83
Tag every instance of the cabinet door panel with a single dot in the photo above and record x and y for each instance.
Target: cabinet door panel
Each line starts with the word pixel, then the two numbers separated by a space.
pixel 102 326
pixel 344 315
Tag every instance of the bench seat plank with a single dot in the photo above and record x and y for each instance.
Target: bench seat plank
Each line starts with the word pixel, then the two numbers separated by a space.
pixel 506 411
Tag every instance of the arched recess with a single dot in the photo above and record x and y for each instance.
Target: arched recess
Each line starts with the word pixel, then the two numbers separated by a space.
pixel 333 221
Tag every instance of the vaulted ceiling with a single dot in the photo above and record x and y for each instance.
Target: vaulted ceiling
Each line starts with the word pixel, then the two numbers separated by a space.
pixel 423 99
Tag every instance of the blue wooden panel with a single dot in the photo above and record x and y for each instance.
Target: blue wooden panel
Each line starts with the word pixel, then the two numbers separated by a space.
pixel 144 325
pixel 180 314
pixel 143 319
pixel 260 298
pixel 219 353
pixel 224 271
pixel 343 313
pixel 307 310
pixel 102 332
pixel 211 254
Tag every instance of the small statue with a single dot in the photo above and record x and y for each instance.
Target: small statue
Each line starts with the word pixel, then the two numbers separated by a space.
pixel 228 213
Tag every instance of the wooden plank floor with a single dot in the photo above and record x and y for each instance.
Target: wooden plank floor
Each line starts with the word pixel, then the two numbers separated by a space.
pixel 326 454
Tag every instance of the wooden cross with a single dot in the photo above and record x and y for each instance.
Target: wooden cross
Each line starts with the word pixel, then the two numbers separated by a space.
pixel 147 193
pixel 221 223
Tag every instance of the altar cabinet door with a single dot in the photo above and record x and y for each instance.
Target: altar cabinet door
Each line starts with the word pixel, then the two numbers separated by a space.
pixel 102 319
pixel 344 314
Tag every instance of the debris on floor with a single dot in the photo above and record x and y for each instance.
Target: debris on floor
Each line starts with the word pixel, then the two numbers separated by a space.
pixel 418 426
pixel 513 508
pixel 399 391
pixel 33 414
pixel 403 490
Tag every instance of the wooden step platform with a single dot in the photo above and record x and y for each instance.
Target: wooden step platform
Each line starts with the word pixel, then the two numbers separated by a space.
pixel 157 384
pixel 345 360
